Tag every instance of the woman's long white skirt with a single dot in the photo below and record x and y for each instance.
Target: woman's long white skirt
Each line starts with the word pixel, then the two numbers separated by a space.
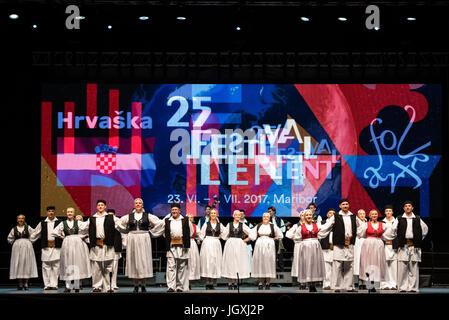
pixel 74 263
pixel 295 261
pixel 194 261
pixel 357 247
pixel 372 260
pixel 310 262
pixel 235 259
pixel 264 258
pixel 211 258
pixel 23 261
pixel 139 257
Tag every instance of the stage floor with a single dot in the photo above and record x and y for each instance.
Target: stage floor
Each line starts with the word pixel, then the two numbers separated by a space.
pixel 221 303
pixel 218 290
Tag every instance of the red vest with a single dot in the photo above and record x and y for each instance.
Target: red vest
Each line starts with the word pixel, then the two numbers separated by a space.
pixel 306 234
pixel 372 233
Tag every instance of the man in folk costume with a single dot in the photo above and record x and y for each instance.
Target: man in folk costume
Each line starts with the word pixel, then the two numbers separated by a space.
pixel 102 252
pixel 51 248
pixel 178 231
pixel 391 254
pixel 118 247
pixel 410 230
pixel 344 230
pixel 279 244
pixel 328 254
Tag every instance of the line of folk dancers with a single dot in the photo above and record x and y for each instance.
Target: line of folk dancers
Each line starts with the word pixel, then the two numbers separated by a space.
pixel 331 251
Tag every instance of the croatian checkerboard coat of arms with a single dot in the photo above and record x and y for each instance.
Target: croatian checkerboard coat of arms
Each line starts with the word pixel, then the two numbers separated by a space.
pixel 106 160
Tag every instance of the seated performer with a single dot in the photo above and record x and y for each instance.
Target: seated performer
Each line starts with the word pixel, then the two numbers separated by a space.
pixel 74 262
pixel 311 267
pixel 410 230
pixel 290 234
pixel 328 254
pixel 23 261
pixel 264 258
pixel 139 257
pixel 235 263
pixel 51 247
pixel 210 254
pixel 372 253
pixel 177 231
pixel 391 254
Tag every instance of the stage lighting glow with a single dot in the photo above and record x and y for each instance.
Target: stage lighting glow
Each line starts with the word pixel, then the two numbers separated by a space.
pixel 342 19
pixel 237 28
pixel 109 27
pixel 80 17
pixel 13 16
pixel 376 28
pixel 305 19
pixel 143 18
pixel 411 18
pixel 34 26
pixel 181 18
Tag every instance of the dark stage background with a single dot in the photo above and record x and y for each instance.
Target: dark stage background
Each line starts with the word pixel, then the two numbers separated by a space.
pixel 272 46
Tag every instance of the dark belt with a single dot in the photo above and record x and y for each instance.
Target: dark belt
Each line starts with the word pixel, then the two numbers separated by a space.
pixel 51 243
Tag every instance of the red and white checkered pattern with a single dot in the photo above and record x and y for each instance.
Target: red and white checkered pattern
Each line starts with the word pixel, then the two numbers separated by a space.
pixel 106 162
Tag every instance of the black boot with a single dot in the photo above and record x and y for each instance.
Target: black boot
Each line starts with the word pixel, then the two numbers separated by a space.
pixel 136 289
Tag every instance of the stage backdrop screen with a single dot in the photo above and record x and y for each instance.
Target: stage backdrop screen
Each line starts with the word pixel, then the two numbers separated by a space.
pixel 241 146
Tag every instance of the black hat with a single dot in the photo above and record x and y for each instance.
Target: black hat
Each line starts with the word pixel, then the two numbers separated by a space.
pixel 111 210
pixel 343 200
pixel 407 202
pixel 103 201
pixel 175 205
pixel 51 208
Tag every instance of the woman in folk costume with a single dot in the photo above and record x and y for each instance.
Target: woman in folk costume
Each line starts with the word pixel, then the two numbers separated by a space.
pixel 23 261
pixel 311 265
pixel 246 239
pixel 235 255
pixel 291 234
pixel 372 254
pixel 361 218
pixel 194 253
pixel 210 254
pixel 264 258
pixel 74 263
pixel 139 257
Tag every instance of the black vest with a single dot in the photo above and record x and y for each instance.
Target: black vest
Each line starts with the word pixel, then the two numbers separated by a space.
pixel 25 234
pixel 185 234
pixel 211 232
pixel 325 244
pixel 272 234
pixel 109 231
pixel 118 241
pixel 235 233
pixel 69 231
pixel 338 237
pixel 44 235
pixel 142 224
pixel 417 232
